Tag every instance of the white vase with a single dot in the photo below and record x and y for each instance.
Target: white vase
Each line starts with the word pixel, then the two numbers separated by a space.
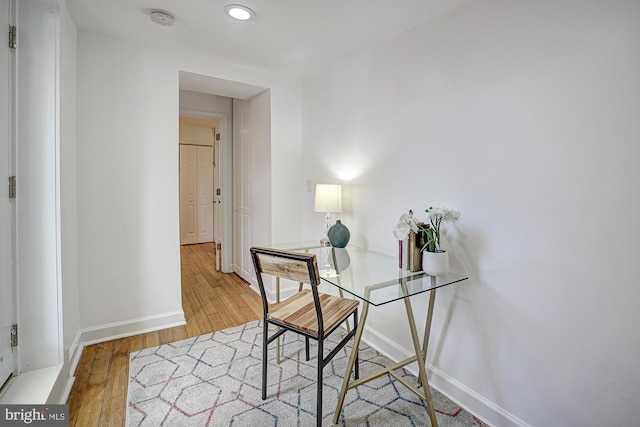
pixel 435 263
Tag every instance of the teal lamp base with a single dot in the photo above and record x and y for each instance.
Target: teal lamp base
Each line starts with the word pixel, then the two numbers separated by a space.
pixel 339 235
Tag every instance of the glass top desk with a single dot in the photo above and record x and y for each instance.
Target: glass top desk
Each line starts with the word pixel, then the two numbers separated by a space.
pixel 376 279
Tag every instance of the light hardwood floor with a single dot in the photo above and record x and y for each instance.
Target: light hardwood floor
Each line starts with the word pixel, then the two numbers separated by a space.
pixel 211 301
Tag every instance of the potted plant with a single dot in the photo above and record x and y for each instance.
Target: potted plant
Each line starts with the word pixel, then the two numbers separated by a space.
pixel 435 260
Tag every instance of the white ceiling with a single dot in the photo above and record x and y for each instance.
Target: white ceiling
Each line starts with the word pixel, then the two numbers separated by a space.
pixel 294 38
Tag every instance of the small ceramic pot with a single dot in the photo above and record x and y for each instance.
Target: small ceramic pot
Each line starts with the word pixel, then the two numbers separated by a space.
pixel 435 263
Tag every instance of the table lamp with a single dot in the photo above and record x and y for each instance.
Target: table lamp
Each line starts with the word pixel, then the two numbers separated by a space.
pixel 328 200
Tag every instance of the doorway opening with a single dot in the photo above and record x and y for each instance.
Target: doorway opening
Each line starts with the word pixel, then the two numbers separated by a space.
pixel 209 97
pixel 200 182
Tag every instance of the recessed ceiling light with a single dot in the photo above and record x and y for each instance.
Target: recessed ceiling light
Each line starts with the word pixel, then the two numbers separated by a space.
pixel 161 17
pixel 239 12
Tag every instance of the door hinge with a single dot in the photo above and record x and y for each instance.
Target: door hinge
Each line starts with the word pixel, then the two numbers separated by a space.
pixel 14 335
pixel 13 37
pixel 12 187
pixel 218 246
pixel 217 137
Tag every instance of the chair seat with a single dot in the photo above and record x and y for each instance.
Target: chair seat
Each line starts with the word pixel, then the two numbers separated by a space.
pixel 299 311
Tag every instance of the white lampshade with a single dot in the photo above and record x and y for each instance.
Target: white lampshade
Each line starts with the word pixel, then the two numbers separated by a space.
pixel 328 198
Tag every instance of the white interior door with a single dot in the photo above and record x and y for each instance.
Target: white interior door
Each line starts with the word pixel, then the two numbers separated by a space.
pixel 6 207
pixel 188 194
pixel 205 194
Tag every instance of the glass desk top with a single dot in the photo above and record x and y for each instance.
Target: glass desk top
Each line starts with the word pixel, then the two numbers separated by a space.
pixel 368 275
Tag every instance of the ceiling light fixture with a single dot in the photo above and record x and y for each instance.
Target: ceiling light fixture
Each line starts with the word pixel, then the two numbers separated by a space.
pixel 161 17
pixel 239 12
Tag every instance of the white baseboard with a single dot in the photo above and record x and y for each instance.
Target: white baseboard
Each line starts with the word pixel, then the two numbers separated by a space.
pixel 108 332
pixel 75 352
pixel 112 331
pixel 254 288
pixel 61 390
pixel 472 402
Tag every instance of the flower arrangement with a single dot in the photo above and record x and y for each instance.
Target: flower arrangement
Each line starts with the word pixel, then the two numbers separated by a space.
pixel 406 224
pixel 436 216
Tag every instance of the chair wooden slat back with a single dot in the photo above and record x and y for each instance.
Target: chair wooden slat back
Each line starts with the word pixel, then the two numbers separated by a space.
pixel 297 266
pixel 285 268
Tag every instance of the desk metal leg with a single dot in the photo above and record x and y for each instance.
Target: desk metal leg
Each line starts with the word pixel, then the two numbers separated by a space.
pixel 419 357
pixel 427 328
pixel 421 354
pixel 352 359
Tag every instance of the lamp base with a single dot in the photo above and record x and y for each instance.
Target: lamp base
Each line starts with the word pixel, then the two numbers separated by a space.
pixel 328 273
pixel 338 235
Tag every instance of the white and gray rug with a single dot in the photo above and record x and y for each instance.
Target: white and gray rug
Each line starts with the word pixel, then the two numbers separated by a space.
pixel 215 380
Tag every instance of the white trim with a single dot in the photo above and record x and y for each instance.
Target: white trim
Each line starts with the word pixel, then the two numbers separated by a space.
pixel 75 353
pixel 58 214
pixel 61 389
pixel 202 114
pixel 108 332
pixel 116 330
pixel 489 412
pixel 472 402
pixel 61 399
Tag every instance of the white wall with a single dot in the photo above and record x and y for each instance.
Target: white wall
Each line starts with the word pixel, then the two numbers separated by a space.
pixel 287 186
pixel 127 183
pixel 127 178
pixel 203 102
pixel 523 115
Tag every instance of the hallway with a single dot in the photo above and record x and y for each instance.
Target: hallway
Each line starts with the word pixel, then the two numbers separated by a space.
pixel 211 301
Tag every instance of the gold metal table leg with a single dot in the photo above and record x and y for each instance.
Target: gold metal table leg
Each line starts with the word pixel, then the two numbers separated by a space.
pixel 352 360
pixel 427 328
pixel 420 356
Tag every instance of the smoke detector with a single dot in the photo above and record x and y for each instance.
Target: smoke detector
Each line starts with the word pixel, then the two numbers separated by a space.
pixel 161 17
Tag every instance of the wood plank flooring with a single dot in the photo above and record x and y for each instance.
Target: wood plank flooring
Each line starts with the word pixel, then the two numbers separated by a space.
pixel 211 301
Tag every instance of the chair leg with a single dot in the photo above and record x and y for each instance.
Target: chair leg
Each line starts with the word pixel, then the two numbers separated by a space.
pixel 265 351
pixel 319 385
pixel 306 348
pixel 355 328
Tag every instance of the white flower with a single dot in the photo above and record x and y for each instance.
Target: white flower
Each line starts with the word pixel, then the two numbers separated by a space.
pixel 443 213
pixel 406 224
pixel 436 216
pixel 401 230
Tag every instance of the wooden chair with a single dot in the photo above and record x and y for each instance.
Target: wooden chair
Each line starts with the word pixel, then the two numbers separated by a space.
pixel 309 313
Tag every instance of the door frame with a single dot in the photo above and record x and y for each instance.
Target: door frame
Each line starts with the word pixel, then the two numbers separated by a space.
pixel 226 178
pixel 8 306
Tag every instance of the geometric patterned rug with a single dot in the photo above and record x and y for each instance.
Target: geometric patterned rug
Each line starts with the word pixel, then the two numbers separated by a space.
pixel 215 380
